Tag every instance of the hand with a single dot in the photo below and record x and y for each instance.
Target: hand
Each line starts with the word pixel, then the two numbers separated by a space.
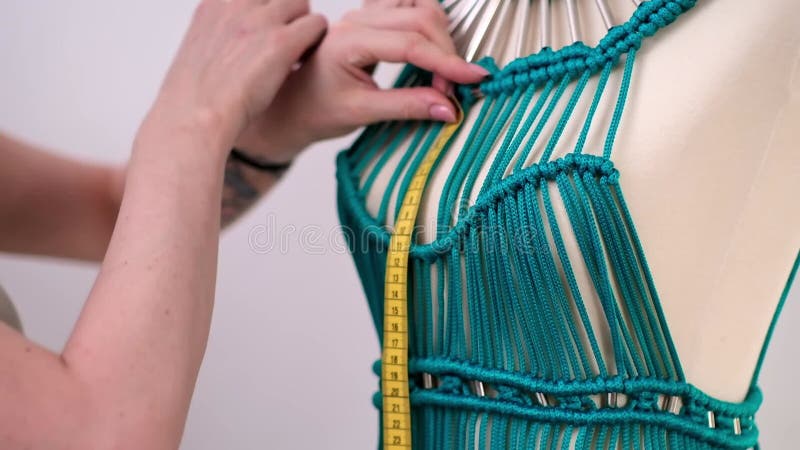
pixel 233 60
pixel 333 93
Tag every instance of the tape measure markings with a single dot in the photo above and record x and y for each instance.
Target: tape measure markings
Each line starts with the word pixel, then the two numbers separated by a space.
pixel 394 365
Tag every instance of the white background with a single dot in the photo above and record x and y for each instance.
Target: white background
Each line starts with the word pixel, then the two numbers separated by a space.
pixel 289 359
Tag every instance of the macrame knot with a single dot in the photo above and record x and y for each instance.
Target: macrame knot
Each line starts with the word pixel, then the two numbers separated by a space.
pixel 564 164
pixel 633 41
pixel 666 14
pixel 548 170
pixel 594 63
pixel 522 79
pixel 658 20
pixel 674 8
pixel 572 402
pixel 556 70
pixel 507 84
pixel 647 29
pixel 613 177
pixel 696 410
pixel 509 394
pixel 587 404
pixel 450 384
pixel 648 401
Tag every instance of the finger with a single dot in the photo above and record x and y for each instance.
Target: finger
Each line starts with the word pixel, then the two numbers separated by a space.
pixel 441 84
pixel 432 4
pixel 429 22
pixel 305 32
pixel 390 3
pixel 419 103
pixel 428 4
pixel 374 46
pixel 286 11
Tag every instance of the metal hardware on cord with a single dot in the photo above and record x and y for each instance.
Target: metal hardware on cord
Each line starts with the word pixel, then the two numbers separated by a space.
pixel 712 420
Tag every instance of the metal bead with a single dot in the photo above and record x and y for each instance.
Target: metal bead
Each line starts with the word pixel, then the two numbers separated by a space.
pixel 672 405
pixel 427 381
pixel 712 420
pixel 737 426
pixel 611 399
pixel 478 388
pixel 542 399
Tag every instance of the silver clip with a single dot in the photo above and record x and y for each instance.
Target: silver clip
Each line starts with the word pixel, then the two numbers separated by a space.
pixel 605 13
pixel 477 93
pixel 478 388
pixel 671 404
pixel 574 24
pixel 427 381
pixel 737 426
pixel 712 420
pixel 611 399
pixel 542 399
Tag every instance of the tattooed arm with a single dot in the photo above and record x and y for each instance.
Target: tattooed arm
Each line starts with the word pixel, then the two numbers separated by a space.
pixel 244 186
pixel 73 214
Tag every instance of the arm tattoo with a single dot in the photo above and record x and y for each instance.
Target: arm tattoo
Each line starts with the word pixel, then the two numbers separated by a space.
pixel 238 194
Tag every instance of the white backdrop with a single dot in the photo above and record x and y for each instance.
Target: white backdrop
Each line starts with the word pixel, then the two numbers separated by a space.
pixel 288 362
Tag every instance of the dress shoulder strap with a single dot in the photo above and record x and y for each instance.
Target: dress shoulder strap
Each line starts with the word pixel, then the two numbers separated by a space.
pixel 784 296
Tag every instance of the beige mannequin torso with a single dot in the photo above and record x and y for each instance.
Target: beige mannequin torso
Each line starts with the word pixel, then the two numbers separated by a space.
pixel 710 167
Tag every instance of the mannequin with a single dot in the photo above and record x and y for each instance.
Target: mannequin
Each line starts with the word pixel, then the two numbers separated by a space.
pixel 708 159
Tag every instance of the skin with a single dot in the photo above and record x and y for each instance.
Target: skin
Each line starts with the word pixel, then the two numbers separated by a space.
pixel 126 375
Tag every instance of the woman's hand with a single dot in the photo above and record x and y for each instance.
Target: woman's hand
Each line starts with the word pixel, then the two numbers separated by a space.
pixel 333 93
pixel 233 60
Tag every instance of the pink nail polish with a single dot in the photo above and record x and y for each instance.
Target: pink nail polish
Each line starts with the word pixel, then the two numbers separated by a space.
pixel 479 70
pixel 442 113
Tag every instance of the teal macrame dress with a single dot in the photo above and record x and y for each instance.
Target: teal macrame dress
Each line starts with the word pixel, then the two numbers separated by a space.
pixel 503 353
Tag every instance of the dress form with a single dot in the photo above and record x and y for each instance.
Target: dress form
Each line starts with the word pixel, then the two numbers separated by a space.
pixel 710 170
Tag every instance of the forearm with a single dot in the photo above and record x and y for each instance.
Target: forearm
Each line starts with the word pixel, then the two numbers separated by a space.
pixel 56 206
pixel 243 187
pixel 141 337
pixel 126 375
pixel 53 205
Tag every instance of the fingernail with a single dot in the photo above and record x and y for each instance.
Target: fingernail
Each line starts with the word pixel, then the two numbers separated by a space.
pixel 479 70
pixel 443 113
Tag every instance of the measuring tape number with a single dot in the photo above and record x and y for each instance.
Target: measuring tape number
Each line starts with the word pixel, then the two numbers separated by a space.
pixel 394 366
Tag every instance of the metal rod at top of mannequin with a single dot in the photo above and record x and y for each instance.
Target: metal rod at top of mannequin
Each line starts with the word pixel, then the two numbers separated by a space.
pixel 544 30
pixel 523 15
pixel 605 13
pixel 466 26
pixel 483 29
pixel 499 37
pixel 447 4
pixel 574 24
pixel 460 13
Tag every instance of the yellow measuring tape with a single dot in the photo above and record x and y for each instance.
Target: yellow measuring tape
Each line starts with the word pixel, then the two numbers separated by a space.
pixel 394 366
